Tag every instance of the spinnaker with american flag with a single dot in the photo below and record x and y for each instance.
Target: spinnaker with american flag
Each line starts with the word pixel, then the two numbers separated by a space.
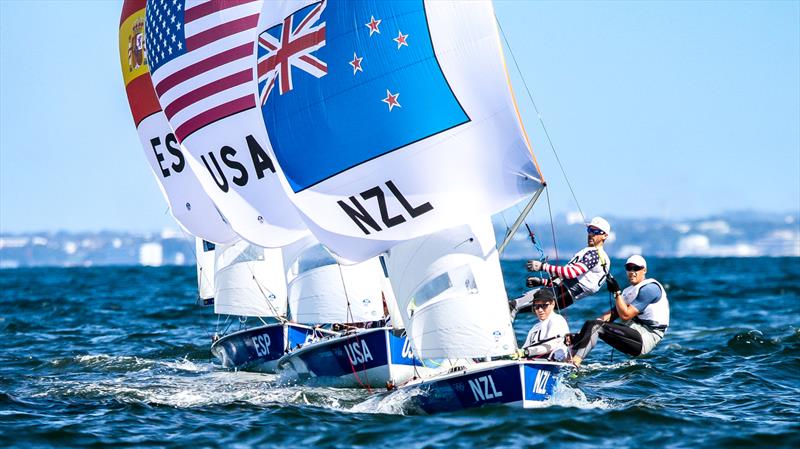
pixel 203 72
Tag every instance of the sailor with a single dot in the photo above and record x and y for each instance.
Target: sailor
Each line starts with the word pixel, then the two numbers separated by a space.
pixel 582 276
pixel 546 337
pixel 644 308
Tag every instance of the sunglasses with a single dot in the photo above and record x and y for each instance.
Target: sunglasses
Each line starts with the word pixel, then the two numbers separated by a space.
pixel 632 267
pixel 594 231
pixel 541 306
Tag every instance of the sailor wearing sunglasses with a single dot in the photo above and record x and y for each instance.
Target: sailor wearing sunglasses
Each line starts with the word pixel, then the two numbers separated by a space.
pixel 643 306
pixel 582 276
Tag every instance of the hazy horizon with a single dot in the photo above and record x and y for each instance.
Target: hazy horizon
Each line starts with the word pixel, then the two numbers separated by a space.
pixel 656 110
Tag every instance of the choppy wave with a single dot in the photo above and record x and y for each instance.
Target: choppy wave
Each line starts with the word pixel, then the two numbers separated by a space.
pixel 120 357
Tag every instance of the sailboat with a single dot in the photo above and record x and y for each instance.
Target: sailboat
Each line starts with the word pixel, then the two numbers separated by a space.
pixel 371 351
pixel 250 283
pixel 398 135
pixel 242 267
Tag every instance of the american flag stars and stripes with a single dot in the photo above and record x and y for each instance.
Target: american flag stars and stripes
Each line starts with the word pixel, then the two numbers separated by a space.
pixel 576 267
pixel 200 59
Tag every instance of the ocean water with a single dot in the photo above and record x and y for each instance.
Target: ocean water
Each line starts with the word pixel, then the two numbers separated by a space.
pixel 119 356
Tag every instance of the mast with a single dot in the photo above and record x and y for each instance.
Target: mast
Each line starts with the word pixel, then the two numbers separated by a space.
pixel 520 219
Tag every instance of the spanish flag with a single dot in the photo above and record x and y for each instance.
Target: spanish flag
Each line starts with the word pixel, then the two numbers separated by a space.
pixel 133 59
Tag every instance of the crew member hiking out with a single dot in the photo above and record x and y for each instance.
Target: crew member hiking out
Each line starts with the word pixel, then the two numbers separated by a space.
pixel 582 276
pixel 644 308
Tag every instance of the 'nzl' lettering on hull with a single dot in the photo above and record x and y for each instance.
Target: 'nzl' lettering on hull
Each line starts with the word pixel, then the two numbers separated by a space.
pixel 483 388
pixel 361 217
pixel 540 384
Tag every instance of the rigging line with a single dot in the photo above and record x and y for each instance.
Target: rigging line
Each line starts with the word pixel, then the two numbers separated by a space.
pixel 266 298
pixel 555 245
pixel 349 315
pixel 539 116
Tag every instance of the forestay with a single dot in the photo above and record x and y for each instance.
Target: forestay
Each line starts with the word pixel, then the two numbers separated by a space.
pixel 451 295
pixel 390 119
pixel 250 281
pixel 201 60
pixel 190 206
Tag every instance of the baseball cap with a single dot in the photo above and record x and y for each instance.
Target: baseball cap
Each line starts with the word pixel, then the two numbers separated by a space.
pixel 544 294
pixel 601 224
pixel 637 260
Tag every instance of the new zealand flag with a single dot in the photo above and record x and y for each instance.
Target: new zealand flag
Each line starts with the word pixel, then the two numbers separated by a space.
pixel 346 82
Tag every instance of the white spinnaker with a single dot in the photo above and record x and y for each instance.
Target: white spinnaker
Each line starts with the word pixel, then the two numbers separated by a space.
pixel 190 206
pixel 204 252
pixel 250 281
pixel 333 293
pixel 472 170
pixel 229 154
pixel 451 294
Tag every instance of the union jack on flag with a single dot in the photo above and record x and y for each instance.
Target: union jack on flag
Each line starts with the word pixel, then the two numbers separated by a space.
pixel 287 45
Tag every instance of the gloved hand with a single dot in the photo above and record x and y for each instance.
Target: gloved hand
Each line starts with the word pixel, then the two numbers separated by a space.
pixel 611 284
pixel 534 281
pixel 533 351
pixel 534 265
pixel 518 354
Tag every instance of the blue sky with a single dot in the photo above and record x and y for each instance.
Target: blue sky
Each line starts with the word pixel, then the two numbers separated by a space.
pixel 667 109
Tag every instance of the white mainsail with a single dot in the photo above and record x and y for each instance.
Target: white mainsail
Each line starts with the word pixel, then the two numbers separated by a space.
pixel 204 76
pixel 451 294
pixel 190 206
pixel 322 291
pixel 250 281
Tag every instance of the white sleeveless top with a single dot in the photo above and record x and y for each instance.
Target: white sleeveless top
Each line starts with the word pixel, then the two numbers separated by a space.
pixel 655 314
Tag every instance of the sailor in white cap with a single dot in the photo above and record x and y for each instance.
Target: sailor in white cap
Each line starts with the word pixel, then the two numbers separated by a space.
pixel 643 306
pixel 582 276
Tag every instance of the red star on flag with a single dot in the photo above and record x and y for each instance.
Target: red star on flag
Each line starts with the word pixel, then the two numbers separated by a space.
pixel 391 100
pixel 373 25
pixel 401 39
pixel 356 63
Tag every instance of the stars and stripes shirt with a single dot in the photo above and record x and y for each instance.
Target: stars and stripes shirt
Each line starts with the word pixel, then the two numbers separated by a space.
pixel 578 266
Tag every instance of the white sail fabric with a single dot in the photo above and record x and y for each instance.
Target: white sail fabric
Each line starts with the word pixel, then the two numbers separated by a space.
pixel 203 70
pixel 450 291
pixel 333 293
pixel 204 252
pixel 396 120
pixel 190 206
pixel 250 281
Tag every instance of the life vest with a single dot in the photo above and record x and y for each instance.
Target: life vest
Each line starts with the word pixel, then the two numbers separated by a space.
pixel 656 314
pixel 554 325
